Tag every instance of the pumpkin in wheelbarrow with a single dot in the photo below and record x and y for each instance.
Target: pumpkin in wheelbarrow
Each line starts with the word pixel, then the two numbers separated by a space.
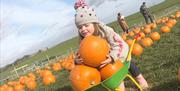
pixel 93 50
pixel 108 70
pixel 83 77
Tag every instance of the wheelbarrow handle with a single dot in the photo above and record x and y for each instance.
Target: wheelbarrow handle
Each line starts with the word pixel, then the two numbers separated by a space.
pixel 131 48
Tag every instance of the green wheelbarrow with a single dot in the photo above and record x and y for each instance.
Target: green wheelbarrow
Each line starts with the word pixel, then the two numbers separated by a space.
pixel 112 83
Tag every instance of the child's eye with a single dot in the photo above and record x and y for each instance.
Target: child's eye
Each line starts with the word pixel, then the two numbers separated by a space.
pixel 79 27
pixel 86 25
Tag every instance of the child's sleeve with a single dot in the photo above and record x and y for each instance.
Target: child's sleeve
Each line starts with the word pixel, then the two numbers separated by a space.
pixel 118 47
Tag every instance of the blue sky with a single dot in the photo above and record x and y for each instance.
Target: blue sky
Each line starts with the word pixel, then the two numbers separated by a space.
pixel 29 25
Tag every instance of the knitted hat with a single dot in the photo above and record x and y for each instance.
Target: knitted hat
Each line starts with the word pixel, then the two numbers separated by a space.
pixel 84 14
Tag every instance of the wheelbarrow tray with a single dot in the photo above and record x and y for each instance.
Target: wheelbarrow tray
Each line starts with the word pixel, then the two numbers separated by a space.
pixel 114 81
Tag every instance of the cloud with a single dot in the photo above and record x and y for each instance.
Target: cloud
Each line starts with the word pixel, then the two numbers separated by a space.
pixel 28 25
pixel 112 7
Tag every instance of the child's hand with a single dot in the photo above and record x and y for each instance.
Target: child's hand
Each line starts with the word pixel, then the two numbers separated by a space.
pixel 107 61
pixel 78 59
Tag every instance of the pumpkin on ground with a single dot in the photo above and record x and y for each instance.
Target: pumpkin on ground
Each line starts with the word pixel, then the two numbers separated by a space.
pixel 108 70
pixel 9 88
pixel 177 14
pixel 129 42
pixel 155 36
pixel 18 87
pixel 153 25
pixel 142 34
pixel 137 49
pixel 32 76
pixel 31 84
pixel 49 79
pixel 165 29
pixel 131 33
pixel 93 50
pixel 170 25
pixel 56 66
pixel 147 30
pixel 147 42
pixel 172 21
pixel 137 30
pixel 45 73
pixel 3 87
pixel 179 73
pixel 124 36
pixel 83 77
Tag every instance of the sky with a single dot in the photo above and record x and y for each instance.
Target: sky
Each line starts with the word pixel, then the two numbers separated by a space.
pixel 27 26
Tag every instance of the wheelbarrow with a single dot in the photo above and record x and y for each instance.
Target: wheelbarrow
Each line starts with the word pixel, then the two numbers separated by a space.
pixel 112 83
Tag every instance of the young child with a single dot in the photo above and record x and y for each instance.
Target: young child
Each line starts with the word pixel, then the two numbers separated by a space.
pixel 88 24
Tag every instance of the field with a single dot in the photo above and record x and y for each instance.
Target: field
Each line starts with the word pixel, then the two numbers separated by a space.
pixel 158 63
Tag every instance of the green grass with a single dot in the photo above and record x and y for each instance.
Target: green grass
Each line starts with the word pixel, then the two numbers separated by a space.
pixel 158 63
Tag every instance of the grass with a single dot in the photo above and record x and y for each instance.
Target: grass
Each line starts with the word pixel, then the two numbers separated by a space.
pixel 159 63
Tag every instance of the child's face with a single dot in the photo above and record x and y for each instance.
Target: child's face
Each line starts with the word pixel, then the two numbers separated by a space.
pixel 86 29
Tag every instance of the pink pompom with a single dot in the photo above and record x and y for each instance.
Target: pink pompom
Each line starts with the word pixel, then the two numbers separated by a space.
pixel 79 3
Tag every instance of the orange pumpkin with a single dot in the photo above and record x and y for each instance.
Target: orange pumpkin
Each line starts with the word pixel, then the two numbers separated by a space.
pixel 31 84
pixel 3 87
pixel 32 76
pixel 18 87
pixel 83 77
pixel 153 25
pixel 129 42
pixel 49 79
pixel 163 21
pixel 9 88
pixel 177 14
pixel 137 30
pixel 155 36
pixel 137 49
pixel 147 30
pixel 146 42
pixel 69 66
pixel 93 50
pixel 173 16
pixel 159 21
pixel 10 83
pixel 124 36
pixel 23 79
pixel 170 25
pixel 142 34
pixel 108 70
pixel 147 26
pixel 56 66
pixel 131 33
pixel 172 21
pixel 179 73
pixel 165 29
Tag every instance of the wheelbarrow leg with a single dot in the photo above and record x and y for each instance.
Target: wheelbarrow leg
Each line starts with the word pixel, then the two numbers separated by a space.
pixel 132 79
pixel 119 89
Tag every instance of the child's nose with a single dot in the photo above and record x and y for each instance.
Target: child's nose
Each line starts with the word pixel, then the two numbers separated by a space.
pixel 83 27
